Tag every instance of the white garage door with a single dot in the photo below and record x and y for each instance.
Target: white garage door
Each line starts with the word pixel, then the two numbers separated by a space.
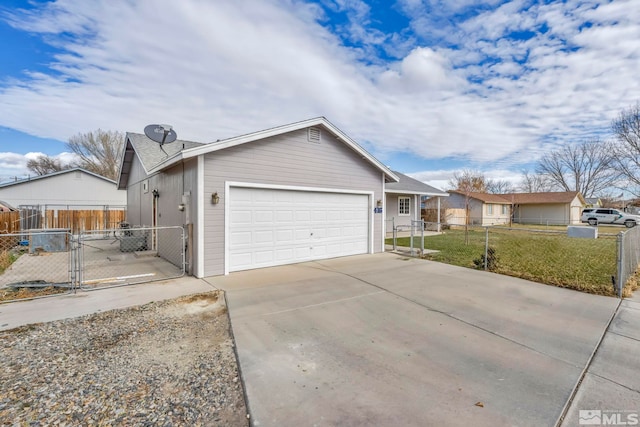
pixel 274 227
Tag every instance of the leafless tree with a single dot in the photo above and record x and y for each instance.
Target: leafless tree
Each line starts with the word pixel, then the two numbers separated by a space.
pixel 586 167
pixel 626 149
pixel 531 182
pixel 499 186
pixel 44 165
pixel 467 182
pixel 98 151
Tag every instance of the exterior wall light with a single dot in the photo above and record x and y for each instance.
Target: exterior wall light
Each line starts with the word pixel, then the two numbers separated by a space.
pixel 155 193
pixel 379 203
pixel 215 199
pixel 181 207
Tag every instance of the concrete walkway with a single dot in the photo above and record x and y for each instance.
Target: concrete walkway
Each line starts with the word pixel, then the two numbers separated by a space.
pixel 48 309
pixel 390 340
pixel 611 384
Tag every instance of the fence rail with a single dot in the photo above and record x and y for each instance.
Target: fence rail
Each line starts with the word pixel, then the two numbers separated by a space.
pixel 546 255
pixel 41 262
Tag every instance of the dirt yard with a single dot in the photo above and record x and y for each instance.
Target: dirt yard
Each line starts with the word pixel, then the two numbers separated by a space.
pixel 167 363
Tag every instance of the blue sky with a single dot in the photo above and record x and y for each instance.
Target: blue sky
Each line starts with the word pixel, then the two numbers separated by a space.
pixel 428 86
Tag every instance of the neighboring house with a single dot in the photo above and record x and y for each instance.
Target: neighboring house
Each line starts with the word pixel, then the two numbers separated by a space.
pixel 404 199
pixel 72 189
pixel 560 208
pixel 299 192
pixel 483 209
pixel 593 202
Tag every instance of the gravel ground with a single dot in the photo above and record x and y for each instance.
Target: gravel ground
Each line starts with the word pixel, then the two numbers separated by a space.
pixel 161 364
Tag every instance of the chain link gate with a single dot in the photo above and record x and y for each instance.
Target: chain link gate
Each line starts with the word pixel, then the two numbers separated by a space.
pixel 126 256
pixel 36 263
pixel 45 262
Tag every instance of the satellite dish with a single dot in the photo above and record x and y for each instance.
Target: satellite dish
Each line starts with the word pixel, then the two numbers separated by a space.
pixel 162 134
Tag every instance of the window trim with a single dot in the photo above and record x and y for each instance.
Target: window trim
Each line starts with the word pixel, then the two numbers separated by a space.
pixel 490 209
pixel 408 199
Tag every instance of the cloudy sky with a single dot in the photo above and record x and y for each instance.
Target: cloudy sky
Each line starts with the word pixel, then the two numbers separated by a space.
pixel 428 86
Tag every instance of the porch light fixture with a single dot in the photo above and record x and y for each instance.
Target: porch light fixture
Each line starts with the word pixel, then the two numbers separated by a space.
pixel 379 203
pixel 155 193
pixel 215 199
pixel 181 207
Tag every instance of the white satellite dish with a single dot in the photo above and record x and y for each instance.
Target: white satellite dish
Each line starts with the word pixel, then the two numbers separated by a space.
pixel 162 134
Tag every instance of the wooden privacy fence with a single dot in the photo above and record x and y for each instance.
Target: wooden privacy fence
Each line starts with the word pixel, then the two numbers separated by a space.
pixel 74 220
pixel 9 222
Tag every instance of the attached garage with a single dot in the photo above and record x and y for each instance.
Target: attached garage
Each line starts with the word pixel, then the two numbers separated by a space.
pixel 294 193
pixel 268 227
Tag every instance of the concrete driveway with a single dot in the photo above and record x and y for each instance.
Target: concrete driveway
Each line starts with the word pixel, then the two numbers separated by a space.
pixel 387 340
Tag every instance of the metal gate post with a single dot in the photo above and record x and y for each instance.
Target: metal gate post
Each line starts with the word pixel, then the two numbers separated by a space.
pixel 422 224
pixel 486 246
pixel 395 233
pixel 619 263
pixel 411 238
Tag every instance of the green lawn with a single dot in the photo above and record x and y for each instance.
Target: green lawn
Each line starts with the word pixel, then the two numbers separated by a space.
pixel 582 264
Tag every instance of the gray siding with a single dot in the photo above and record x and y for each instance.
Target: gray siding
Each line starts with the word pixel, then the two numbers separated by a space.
pixel 392 216
pixel 288 159
pixel 171 185
pixel 138 202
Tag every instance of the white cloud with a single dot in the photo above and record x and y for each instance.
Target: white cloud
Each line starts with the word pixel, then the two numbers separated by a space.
pixel 13 166
pixel 223 68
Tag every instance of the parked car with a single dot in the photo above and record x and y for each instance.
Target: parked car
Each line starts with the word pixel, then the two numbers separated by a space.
pixel 595 216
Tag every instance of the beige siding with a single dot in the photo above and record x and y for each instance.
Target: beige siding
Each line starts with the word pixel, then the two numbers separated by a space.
pixel 497 217
pixel 289 160
pixel 556 213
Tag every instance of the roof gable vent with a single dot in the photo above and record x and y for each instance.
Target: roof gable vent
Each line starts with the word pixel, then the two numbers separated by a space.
pixel 313 135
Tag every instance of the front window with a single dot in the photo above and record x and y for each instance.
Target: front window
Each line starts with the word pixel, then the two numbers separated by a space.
pixel 505 210
pixel 403 205
pixel 490 209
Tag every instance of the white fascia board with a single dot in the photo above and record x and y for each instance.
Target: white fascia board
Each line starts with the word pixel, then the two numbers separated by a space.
pixel 176 158
pixel 416 192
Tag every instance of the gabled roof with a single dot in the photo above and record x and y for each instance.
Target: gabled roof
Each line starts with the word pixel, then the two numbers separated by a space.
pixel 549 197
pixel 49 175
pixel 484 197
pixel 408 185
pixel 544 198
pixel 149 152
pixel 255 136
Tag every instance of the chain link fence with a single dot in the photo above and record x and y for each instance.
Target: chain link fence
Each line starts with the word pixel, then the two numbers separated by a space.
pixel 628 259
pixel 40 262
pixel 36 263
pixel 125 256
pixel 543 254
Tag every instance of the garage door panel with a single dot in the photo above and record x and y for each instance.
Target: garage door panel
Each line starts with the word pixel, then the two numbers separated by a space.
pixel 241 238
pixel 284 254
pixel 263 236
pixel 275 227
pixel 285 216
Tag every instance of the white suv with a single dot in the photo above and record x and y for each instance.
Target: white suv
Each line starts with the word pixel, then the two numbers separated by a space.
pixel 595 216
